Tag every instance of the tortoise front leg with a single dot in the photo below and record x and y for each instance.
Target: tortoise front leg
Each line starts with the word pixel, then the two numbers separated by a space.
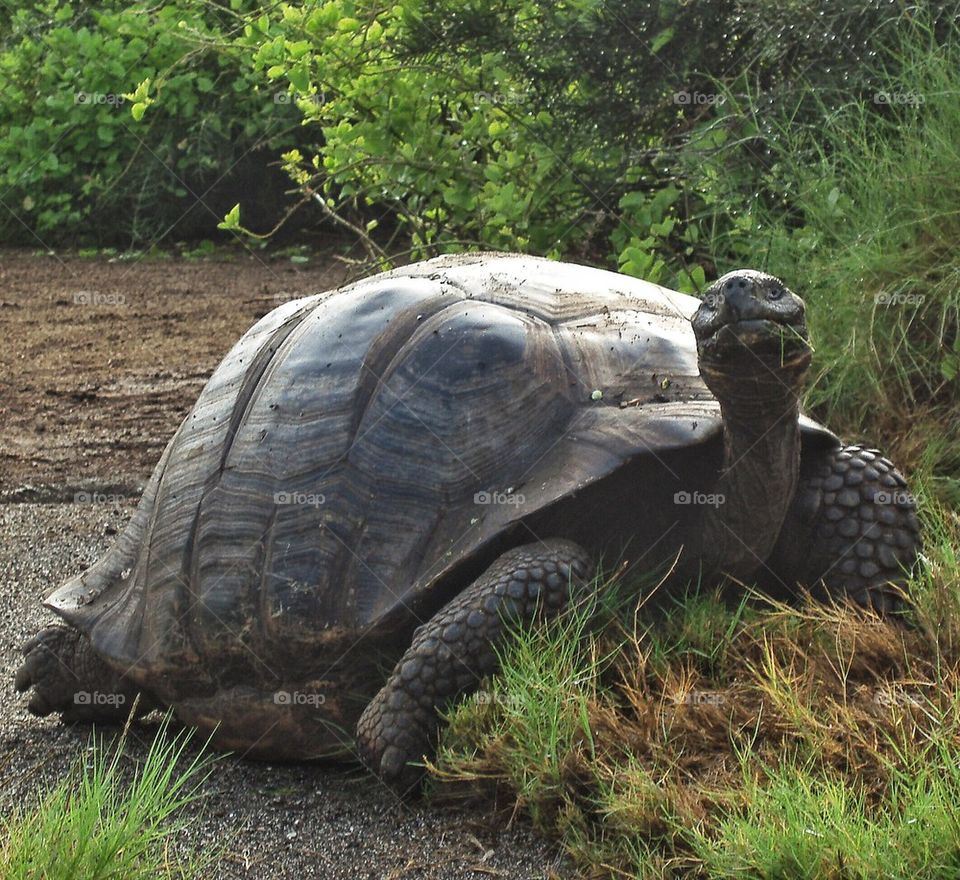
pixel 852 530
pixel 456 647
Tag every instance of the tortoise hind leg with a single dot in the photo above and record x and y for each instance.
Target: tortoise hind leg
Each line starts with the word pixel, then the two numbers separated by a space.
pixel 852 530
pixel 67 676
pixel 456 647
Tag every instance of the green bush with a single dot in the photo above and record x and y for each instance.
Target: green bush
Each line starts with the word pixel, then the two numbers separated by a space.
pixel 73 163
pixel 435 153
pixel 860 214
pixel 559 128
pixel 453 125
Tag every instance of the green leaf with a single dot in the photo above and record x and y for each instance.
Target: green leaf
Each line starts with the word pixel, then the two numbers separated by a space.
pixel 231 220
pixel 661 40
pixel 664 227
pixel 632 200
pixel 297 48
pixel 299 79
pixel 692 280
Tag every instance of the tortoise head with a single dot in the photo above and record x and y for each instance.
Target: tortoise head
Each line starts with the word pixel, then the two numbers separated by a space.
pixel 750 326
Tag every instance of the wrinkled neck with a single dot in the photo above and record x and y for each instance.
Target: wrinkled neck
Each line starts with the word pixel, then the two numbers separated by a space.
pixel 761 465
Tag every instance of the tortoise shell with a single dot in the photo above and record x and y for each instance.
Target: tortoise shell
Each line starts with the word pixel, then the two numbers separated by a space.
pixel 335 467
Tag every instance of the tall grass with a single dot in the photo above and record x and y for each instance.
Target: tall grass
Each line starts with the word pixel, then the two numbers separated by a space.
pixel 803 822
pixel 94 826
pixel 870 235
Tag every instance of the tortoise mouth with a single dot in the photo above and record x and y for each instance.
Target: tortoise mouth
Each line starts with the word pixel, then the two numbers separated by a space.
pixel 785 343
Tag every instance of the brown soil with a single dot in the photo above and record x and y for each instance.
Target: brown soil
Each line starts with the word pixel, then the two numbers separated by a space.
pixel 104 358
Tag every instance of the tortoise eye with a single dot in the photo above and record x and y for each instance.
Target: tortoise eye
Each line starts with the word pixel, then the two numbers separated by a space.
pixel 710 300
pixel 775 293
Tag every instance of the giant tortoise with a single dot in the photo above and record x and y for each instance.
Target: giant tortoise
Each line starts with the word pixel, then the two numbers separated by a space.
pixel 378 481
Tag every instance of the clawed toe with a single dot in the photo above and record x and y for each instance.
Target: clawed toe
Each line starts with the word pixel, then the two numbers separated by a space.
pixel 30 674
pixel 26 674
pixel 396 770
pixel 389 749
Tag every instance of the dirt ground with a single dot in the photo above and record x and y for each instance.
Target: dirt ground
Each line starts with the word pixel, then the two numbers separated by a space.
pixel 99 361
pixel 103 359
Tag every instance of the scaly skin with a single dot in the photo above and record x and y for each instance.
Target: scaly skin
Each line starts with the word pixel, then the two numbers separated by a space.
pixel 852 530
pixel 456 647
pixel 67 676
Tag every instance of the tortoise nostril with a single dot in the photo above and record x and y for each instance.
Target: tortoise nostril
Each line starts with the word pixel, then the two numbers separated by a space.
pixel 737 284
